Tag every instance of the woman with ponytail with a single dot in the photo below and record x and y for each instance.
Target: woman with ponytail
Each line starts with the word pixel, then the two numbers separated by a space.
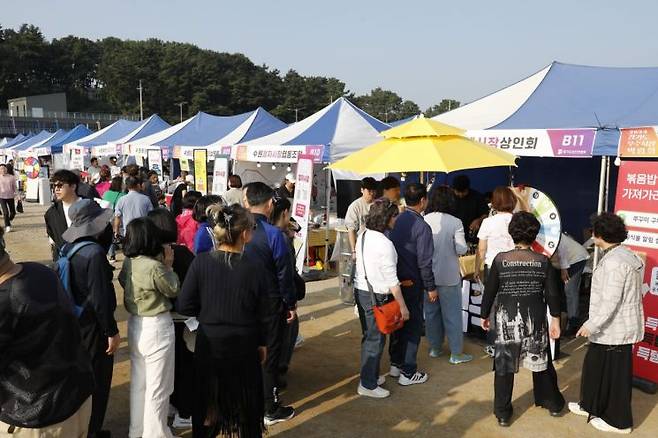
pixel 226 294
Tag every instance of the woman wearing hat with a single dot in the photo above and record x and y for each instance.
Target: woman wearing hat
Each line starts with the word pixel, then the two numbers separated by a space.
pixel 87 241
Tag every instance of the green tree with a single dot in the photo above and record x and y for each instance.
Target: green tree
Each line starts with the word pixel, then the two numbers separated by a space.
pixel 444 106
pixel 386 105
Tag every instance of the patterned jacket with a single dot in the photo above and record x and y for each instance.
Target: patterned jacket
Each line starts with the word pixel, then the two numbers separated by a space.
pixel 616 316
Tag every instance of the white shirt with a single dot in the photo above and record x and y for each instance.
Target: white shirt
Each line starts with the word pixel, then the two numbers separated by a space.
pixel 570 252
pixel 494 230
pixel 66 207
pixel 115 171
pixel 380 259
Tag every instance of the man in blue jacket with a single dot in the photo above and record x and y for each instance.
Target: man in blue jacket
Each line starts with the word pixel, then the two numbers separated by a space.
pixel 268 246
pixel 413 241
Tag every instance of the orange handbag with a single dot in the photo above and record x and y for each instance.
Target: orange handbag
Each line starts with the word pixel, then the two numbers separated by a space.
pixel 387 316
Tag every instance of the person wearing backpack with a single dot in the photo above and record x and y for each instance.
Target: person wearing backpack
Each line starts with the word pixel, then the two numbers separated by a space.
pixel 87 275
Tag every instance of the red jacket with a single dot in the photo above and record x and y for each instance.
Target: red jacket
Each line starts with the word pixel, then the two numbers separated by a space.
pixel 187 228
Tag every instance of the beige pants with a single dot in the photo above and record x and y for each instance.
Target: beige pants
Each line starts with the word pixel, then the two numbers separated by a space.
pixel 75 426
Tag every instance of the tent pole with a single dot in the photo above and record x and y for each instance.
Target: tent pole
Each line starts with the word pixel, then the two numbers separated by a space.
pixel 327 191
pixel 601 203
pixel 607 184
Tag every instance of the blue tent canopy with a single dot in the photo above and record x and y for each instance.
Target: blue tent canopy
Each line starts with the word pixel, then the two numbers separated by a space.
pixel 118 129
pixel 341 127
pixel 577 96
pixel 56 143
pixel 16 140
pixel 43 135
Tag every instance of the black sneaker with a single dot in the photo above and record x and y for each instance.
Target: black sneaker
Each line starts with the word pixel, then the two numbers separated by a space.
pixel 282 413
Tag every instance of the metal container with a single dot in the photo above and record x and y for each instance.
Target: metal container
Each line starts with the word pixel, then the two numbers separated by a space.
pixel 345 266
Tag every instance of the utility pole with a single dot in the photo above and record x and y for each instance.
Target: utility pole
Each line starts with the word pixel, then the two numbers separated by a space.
pixel 180 105
pixel 296 110
pixel 141 102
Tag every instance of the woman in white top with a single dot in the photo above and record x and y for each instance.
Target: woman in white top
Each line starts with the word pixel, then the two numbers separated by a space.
pixel 376 257
pixel 494 238
pixel 444 316
pixel 7 195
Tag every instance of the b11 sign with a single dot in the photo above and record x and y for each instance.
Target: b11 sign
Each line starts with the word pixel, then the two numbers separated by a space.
pixel 566 143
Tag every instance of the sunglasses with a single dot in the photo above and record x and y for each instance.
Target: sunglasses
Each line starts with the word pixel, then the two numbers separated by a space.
pixel 58 185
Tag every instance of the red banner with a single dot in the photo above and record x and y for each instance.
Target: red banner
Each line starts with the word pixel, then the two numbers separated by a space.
pixel 637 203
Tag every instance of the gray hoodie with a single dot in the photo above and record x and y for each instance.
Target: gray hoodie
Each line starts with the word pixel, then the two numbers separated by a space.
pixel 616 316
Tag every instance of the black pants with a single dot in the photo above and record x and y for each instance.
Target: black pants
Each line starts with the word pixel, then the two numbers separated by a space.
pixel 8 210
pixel 183 396
pixel 96 344
pixel 275 327
pixel 404 342
pixel 606 383
pixel 290 333
pixel 545 389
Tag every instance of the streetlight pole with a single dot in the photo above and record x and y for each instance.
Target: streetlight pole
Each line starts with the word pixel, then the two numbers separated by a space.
pixel 180 105
pixel 141 102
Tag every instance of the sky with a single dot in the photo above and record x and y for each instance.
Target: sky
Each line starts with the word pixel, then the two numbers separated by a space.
pixel 425 50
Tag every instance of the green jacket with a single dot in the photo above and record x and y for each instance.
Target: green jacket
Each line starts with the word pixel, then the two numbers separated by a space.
pixel 148 286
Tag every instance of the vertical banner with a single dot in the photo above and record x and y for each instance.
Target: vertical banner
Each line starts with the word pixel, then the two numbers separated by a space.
pixel 77 158
pixel 301 205
pixel 155 160
pixel 220 176
pixel 200 175
pixel 637 204
pixel 639 142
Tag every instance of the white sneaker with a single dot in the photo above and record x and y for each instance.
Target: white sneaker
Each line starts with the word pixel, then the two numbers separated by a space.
pixel 394 371
pixel 416 379
pixel 181 423
pixel 7 229
pixel 576 409
pixel 378 392
pixel 601 425
pixel 381 380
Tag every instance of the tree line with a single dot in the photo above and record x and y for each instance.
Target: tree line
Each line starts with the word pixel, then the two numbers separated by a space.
pixel 103 75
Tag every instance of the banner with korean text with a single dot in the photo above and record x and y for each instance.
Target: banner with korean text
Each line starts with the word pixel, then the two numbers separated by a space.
pixel 200 175
pixel 220 176
pixel 155 160
pixel 301 206
pixel 276 154
pixel 639 142
pixel 637 203
pixel 561 143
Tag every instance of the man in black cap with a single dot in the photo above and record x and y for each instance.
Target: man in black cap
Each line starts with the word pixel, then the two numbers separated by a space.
pixel 92 289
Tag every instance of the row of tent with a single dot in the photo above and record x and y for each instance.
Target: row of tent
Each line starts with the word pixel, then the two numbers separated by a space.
pixel 558 96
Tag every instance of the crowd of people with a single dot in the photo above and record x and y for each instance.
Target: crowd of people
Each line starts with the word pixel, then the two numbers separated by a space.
pixel 215 341
pixel 407 250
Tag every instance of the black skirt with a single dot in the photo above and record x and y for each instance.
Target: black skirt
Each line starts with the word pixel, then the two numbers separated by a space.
pixel 229 387
pixel 606 384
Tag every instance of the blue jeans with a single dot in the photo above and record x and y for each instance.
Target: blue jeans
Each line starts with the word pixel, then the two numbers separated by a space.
pixel 444 317
pixel 572 288
pixel 372 343
pixel 404 342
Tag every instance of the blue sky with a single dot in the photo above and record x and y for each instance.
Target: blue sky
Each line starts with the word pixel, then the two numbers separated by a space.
pixel 424 50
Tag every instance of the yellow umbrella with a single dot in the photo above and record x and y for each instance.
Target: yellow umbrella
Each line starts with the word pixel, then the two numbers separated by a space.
pixel 448 153
pixel 422 127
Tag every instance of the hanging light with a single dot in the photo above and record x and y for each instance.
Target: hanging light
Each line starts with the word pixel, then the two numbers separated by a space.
pixel 403 177
pixel 288 169
pixel 617 161
pixel 258 164
pixel 273 166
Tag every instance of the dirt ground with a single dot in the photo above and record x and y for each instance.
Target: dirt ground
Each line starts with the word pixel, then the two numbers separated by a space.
pixel 456 401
